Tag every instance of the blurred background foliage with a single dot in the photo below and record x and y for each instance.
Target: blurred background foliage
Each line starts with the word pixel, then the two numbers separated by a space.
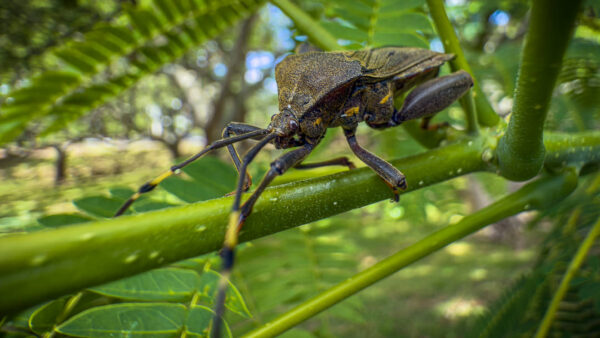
pixel 99 96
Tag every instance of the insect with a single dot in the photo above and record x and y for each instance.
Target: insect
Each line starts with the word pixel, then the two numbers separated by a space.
pixel 321 90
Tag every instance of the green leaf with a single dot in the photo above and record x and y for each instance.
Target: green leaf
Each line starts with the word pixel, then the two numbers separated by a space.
pixel 392 23
pixel 199 320
pixel 194 35
pixel 359 20
pixel 98 205
pixel 57 78
pixel 297 333
pixel 189 191
pixel 92 51
pixel 10 129
pixel 393 6
pixel 21 319
pixel 108 42
pixel 78 61
pixel 393 39
pixel 209 281
pixel 127 319
pixel 151 205
pixel 46 316
pixel 168 284
pixel 121 193
pixel 405 22
pixel 58 220
pixel 344 32
pixel 212 172
pixel 124 34
pixel 166 8
pixel 140 20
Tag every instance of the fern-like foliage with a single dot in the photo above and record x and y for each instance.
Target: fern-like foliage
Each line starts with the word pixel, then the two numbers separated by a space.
pixel 520 310
pixel 146 39
pixel 375 23
pixel 506 318
pixel 309 260
pixel 579 82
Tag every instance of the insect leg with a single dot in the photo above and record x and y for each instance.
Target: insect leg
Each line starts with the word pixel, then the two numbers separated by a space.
pixel 150 185
pixel 343 161
pixel 393 177
pixel 237 218
pixel 237 128
pixel 433 96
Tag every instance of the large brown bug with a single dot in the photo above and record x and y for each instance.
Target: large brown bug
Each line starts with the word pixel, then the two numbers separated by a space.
pixel 320 90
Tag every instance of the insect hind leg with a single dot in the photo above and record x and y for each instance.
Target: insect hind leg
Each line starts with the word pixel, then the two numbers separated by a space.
pixel 393 177
pixel 238 216
pixel 433 96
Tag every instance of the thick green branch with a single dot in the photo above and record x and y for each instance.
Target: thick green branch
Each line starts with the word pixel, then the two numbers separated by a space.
pixel 521 149
pixel 315 32
pixel 70 258
pixel 128 245
pixel 486 115
pixel 575 149
pixel 536 195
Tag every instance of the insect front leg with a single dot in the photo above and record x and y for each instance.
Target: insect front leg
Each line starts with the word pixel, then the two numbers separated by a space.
pixel 237 218
pixel 236 128
pixel 393 177
pixel 150 185
pixel 278 167
pixel 433 96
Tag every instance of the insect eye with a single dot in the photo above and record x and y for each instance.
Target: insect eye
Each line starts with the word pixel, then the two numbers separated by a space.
pixel 293 125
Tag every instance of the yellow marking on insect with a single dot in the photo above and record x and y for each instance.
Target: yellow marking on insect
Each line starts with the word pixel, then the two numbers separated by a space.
pixel 351 111
pixel 231 236
pixel 135 196
pixel 318 121
pixel 385 99
pixel 160 178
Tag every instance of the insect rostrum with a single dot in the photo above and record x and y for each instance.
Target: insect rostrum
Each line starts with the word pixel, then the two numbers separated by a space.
pixel 320 90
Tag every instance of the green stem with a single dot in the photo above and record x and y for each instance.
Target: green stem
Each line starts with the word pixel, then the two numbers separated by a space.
pixel 521 149
pixel 485 113
pixel 468 105
pixel 315 32
pixel 572 148
pixel 128 245
pixel 564 284
pixel 542 193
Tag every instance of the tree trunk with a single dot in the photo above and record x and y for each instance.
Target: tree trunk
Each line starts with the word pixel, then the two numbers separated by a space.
pixel 60 165
pixel 174 149
pixel 235 68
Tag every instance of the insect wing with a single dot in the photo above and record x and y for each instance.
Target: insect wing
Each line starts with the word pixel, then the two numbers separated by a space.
pixel 304 79
pixel 399 62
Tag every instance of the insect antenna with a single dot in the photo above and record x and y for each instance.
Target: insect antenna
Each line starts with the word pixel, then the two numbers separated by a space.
pixel 150 185
pixel 231 237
